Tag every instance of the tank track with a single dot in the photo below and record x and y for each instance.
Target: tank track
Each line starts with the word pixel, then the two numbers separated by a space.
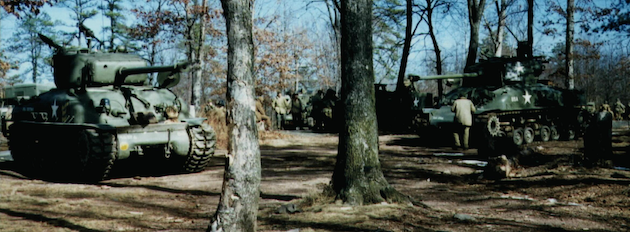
pixel 202 146
pixel 98 154
pixel 84 155
pixel 532 125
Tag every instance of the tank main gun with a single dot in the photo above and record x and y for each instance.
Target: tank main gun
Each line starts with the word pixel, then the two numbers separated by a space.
pixel 124 72
pixel 50 42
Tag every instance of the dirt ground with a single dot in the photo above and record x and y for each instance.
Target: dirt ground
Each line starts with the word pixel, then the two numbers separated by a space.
pixel 547 195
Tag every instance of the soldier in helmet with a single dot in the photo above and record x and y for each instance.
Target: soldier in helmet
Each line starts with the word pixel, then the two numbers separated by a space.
pixel 463 109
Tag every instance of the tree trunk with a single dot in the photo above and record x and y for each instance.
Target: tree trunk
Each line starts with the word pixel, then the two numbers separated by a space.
pixel 569 44
pixel 238 205
pixel 358 178
pixel 501 9
pixel 400 86
pixel 436 47
pixel 530 28
pixel 475 12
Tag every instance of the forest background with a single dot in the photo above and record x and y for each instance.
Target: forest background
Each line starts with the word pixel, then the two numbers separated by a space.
pixel 297 42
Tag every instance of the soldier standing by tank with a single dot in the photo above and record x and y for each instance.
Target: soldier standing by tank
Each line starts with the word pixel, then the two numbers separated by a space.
pixel 296 111
pixel 463 109
pixel 620 110
pixel 598 138
pixel 260 113
pixel 281 105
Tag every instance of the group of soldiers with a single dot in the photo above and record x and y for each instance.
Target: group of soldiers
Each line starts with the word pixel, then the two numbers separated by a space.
pixel 298 111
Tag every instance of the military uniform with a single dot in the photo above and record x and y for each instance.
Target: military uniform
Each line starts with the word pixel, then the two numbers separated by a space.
pixel 463 109
pixel 281 105
pixel 296 111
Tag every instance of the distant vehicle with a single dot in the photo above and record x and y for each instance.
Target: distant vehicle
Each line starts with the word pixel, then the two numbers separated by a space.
pixel 104 109
pixel 511 101
pixel 401 111
pixel 14 94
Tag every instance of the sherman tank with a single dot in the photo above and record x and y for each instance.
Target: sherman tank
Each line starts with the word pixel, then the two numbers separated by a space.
pixel 105 109
pixel 511 101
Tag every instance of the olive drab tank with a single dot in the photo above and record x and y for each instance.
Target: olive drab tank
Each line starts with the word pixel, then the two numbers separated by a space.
pixel 105 109
pixel 511 101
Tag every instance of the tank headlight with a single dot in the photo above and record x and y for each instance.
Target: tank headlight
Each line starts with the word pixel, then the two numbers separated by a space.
pixel 124 146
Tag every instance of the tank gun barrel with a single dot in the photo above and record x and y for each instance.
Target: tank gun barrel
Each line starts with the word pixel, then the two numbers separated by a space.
pixel 50 42
pixel 125 72
pixel 415 77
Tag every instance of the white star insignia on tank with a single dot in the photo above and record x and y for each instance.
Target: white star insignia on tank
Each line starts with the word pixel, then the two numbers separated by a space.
pixel 527 97
pixel 54 107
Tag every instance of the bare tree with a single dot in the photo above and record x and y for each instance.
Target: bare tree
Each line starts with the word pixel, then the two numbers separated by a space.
pixel 238 205
pixel 358 178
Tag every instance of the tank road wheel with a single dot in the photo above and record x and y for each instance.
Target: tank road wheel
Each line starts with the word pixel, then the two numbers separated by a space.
pixel 202 145
pixel 528 135
pixel 517 136
pixel 494 128
pixel 554 133
pixel 96 154
pixel 545 133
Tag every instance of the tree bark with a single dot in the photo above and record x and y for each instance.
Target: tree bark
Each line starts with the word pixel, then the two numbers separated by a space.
pixel 238 205
pixel 358 178
pixel 475 12
pixel 569 44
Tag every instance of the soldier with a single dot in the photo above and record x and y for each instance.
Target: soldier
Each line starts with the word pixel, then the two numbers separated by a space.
pixel 296 111
pixel 620 110
pixel 281 105
pixel 598 139
pixel 260 113
pixel 317 105
pixel 463 109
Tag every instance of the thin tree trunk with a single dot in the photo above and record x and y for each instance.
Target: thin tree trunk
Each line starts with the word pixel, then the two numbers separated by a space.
pixel 238 205
pixel 530 27
pixel 475 12
pixel 358 178
pixel 436 47
pixel 569 44
pixel 501 9
pixel 406 47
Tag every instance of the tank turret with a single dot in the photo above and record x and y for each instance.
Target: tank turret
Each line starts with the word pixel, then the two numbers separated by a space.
pixel 105 109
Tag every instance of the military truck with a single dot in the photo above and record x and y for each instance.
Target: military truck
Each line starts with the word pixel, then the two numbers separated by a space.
pixel 14 94
pixel 511 101
pixel 105 109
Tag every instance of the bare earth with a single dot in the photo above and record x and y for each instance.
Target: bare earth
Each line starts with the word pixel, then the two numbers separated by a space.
pixel 548 196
